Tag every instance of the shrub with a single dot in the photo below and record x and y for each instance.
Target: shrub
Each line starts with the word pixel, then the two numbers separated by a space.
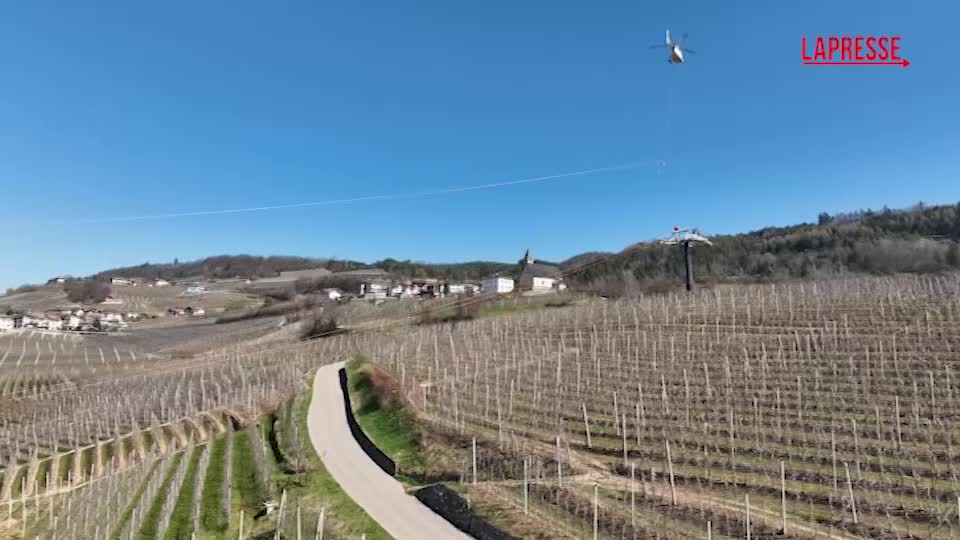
pixel 320 326
pixel 86 290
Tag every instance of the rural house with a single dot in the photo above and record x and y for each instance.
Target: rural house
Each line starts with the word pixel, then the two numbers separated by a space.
pixel 497 285
pixel 7 322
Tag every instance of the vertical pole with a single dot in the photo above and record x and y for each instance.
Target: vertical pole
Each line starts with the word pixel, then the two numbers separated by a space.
pixel 673 486
pixel 853 502
pixel 319 534
pixel 783 498
pixel 747 503
pixel 596 511
pixel 474 461
pixel 709 530
pixel 240 536
pixel 688 264
pixel 586 424
pixel 526 488
pixel 633 495
pixel 559 465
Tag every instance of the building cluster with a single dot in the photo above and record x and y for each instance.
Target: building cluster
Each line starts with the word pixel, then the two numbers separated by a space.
pixel 139 282
pixel 376 289
pixel 533 278
pixel 188 311
pixel 75 319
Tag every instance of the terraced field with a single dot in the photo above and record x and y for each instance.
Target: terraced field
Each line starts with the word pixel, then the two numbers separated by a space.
pixel 823 409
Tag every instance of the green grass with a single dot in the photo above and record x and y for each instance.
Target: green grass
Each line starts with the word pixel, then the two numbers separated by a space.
pixel 317 489
pixel 148 531
pixel 128 511
pixel 181 522
pixel 247 491
pixel 384 418
pixel 506 308
pixel 212 519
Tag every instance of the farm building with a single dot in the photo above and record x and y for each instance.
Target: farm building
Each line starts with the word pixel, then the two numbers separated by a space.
pixel 57 280
pixel 497 285
pixel 161 283
pixel 120 281
pixel 374 289
pixel 8 322
pixel 462 288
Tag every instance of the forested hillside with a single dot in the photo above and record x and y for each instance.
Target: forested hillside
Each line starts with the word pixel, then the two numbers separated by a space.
pixel 920 239
pixel 249 266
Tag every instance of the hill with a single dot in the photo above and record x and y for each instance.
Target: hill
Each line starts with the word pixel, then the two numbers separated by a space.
pixel 921 239
pixel 250 266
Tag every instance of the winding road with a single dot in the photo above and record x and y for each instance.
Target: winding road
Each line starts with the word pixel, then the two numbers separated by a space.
pixel 383 498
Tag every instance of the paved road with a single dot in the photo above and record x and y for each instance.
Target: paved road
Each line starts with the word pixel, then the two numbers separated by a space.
pixel 401 515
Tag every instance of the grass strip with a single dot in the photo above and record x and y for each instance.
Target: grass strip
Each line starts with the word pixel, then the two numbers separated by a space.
pixel 128 511
pixel 317 489
pixel 383 416
pixel 211 516
pixel 180 520
pixel 148 531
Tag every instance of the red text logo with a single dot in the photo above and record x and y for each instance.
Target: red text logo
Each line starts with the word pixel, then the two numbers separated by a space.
pixel 851 50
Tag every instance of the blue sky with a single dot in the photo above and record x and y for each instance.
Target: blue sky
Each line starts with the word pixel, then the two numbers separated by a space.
pixel 139 108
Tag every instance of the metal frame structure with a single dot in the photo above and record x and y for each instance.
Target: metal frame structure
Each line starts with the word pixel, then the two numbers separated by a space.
pixel 684 238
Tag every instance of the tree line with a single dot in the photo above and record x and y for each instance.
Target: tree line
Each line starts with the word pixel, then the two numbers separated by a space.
pixel 921 239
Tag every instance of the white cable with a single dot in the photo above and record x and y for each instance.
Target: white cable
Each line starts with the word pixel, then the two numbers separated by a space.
pixel 626 166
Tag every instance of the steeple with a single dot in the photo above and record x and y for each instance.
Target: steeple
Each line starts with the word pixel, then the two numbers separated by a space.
pixel 527 259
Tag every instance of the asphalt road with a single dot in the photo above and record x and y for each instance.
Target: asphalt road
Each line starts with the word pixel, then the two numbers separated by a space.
pixel 401 515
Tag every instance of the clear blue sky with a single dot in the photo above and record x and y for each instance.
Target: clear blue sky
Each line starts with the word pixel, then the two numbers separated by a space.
pixel 137 108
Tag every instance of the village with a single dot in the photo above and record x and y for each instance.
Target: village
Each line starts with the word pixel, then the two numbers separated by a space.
pixel 377 285
pixel 370 284
pixel 104 316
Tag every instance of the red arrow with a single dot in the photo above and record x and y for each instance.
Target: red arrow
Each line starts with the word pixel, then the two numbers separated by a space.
pixel 902 63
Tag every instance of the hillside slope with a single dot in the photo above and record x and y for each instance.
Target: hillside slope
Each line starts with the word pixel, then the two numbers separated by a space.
pixel 920 239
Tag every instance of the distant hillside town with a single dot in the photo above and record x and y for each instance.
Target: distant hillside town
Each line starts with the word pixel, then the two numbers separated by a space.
pixel 531 278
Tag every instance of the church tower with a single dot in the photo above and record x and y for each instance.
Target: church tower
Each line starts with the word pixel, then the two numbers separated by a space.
pixel 527 259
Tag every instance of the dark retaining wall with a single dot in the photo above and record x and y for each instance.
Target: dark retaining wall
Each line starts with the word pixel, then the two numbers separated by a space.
pixel 371 449
pixel 452 507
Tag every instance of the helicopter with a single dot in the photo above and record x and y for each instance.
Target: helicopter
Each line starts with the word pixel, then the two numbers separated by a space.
pixel 675 48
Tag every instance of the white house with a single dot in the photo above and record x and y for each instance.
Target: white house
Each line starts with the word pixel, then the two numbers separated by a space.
pixel 497 285
pixel 74 322
pixel 120 281
pixel 161 283
pixel 112 317
pixel 197 289
pixel 111 301
pixel 6 323
pixel 543 283
pixel 462 288
pixel 199 312
pixel 374 289
pixel 55 324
